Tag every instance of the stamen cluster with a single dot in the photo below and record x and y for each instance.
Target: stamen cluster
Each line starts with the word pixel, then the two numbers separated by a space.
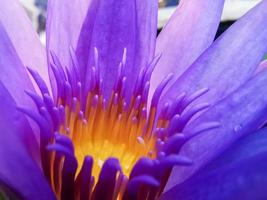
pixel 120 147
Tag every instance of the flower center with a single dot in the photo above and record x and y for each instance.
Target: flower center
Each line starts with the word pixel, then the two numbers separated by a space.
pixel 114 148
pixel 110 129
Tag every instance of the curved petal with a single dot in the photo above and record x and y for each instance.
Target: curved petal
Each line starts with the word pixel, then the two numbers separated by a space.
pixel 110 26
pixel 239 173
pixel 230 61
pixel 119 25
pixel 13 74
pixel 23 37
pixel 240 113
pixel 248 146
pixel 18 169
pixel 188 33
pixel 63 26
pixel 64 23
pixel 9 112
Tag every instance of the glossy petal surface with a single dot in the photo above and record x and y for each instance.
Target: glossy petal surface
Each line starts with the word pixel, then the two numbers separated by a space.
pixel 239 173
pixel 63 27
pixel 13 74
pixel 18 170
pixel 23 37
pixel 240 113
pixel 224 67
pixel 120 24
pixel 188 33
pixel 64 23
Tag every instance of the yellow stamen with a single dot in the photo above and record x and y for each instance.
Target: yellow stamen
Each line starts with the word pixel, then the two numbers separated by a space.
pixel 111 131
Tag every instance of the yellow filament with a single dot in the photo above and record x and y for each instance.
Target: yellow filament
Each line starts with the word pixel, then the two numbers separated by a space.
pixel 111 132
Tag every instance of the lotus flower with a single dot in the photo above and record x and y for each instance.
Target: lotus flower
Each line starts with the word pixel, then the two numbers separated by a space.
pixel 109 111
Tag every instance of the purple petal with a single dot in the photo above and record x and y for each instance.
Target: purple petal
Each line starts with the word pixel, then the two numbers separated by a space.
pixel 23 37
pixel 239 173
pixel 13 74
pixel 18 148
pixel 240 113
pixel 188 33
pixel 26 135
pixel 230 61
pixel 119 25
pixel 64 22
pixel 63 26
pixel 248 146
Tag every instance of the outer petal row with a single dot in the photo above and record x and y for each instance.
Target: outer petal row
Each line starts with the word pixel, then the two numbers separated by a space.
pixel 18 148
pixel 13 74
pixel 64 22
pixel 230 61
pixel 23 37
pixel 188 33
pixel 239 173
pixel 19 47
pixel 239 114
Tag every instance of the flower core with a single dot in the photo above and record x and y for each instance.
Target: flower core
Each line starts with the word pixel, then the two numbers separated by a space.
pixel 110 129
pixel 120 147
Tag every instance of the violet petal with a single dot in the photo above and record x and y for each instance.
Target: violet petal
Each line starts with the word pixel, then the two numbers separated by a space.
pixel 242 112
pixel 239 173
pixel 119 24
pixel 64 22
pixel 18 150
pixel 188 33
pixel 224 67
pixel 23 38
pixel 63 26
pixel 13 74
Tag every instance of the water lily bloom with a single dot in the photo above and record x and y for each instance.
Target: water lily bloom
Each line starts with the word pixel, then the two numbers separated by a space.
pixel 109 111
